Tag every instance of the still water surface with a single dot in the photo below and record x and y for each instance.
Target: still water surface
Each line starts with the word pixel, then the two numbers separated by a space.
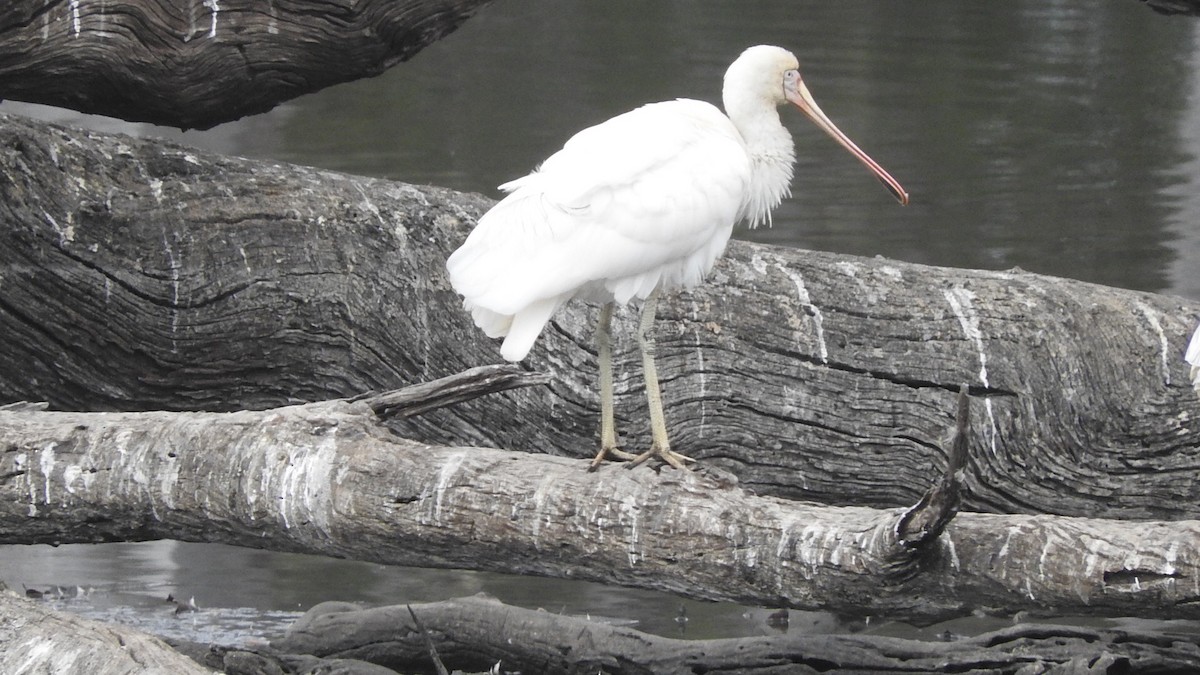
pixel 1061 137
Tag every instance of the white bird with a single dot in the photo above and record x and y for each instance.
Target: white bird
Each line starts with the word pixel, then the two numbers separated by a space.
pixel 1192 356
pixel 641 203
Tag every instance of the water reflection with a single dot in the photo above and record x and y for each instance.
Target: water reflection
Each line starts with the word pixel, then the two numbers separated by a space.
pixel 1061 137
pixel 1045 136
pixel 244 594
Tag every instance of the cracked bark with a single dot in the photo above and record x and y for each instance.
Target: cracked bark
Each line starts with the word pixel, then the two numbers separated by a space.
pixel 328 478
pixel 474 633
pixel 198 64
pixel 140 275
pixel 34 639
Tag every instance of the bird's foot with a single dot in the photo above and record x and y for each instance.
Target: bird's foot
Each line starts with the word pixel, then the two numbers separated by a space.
pixel 664 453
pixel 610 452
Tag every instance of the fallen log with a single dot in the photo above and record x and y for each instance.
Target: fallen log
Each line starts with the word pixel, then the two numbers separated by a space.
pixel 475 633
pixel 140 275
pixel 198 64
pixel 328 478
pixel 35 639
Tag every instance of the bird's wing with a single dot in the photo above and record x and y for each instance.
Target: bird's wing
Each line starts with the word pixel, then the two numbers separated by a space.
pixel 628 197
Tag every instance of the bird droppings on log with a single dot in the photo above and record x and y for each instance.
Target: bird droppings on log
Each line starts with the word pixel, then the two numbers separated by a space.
pixel 328 478
pixel 281 284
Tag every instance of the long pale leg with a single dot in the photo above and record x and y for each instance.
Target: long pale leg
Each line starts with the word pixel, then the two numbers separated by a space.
pixel 660 447
pixel 608 428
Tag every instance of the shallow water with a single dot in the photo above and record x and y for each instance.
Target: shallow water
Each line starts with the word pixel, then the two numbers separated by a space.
pixel 1060 137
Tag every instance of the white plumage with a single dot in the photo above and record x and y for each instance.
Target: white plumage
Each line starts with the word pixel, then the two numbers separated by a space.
pixel 647 197
pixel 644 201
pixel 1192 356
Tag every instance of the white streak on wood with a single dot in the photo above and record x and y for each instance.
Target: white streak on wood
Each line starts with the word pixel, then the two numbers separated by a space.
pixel 541 494
pixel 20 462
pixel 71 473
pixel 306 481
pixel 174 270
pixel 960 300
pixel 630 515
pixel 215 8
pixel 1042 558
pixel 806 300
pixel 1164 344
pixel 75 17
pixel 1007 538
pixel 43 655
pixel 370 206
pixel 66 234
pixel 47 466
pixel 445 476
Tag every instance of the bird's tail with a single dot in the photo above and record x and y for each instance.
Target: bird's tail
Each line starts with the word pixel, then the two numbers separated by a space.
pixel 525 327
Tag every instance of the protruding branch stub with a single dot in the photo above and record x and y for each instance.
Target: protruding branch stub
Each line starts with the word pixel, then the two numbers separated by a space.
pixel 421 398
pixel 924 522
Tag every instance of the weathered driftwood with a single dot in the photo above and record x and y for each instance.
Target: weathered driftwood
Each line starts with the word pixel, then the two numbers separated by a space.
pixel 142 275
pixel 328 478
pixel 474 633
pixel 35 639
pixel 198 63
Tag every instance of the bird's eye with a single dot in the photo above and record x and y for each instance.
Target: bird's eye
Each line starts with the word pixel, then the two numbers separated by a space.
pixel 791 75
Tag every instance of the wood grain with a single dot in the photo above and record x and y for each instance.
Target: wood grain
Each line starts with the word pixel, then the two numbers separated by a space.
pixel 198 63
pixel 139 275
pixel 328 478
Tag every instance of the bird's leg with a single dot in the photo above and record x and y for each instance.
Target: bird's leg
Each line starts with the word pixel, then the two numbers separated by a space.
pixel 608 428
pixel 660 447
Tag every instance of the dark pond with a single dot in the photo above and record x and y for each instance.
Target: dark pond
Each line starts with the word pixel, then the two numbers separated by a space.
pixel 1062 137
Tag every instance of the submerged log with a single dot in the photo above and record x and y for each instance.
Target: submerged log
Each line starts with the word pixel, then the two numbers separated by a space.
pixel 139 275
pixel 328 478
pixel 199 63
pixel 474 633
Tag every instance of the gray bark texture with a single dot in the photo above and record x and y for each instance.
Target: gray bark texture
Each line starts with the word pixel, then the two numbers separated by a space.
pixel 139 275
pixel 474 633
pixel 34 639
pixel 329 478
pixel 198 63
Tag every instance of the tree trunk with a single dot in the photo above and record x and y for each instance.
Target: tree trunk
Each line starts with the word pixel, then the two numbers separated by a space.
pixel 142 275
pixel 327 478
pixel 198 63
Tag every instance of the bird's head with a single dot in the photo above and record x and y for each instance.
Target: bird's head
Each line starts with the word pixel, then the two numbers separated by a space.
pixel 766 75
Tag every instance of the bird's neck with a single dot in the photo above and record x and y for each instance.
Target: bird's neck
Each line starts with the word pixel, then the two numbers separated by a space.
pixel 772 154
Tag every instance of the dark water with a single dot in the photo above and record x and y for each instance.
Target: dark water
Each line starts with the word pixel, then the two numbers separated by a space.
pixel 1060 137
